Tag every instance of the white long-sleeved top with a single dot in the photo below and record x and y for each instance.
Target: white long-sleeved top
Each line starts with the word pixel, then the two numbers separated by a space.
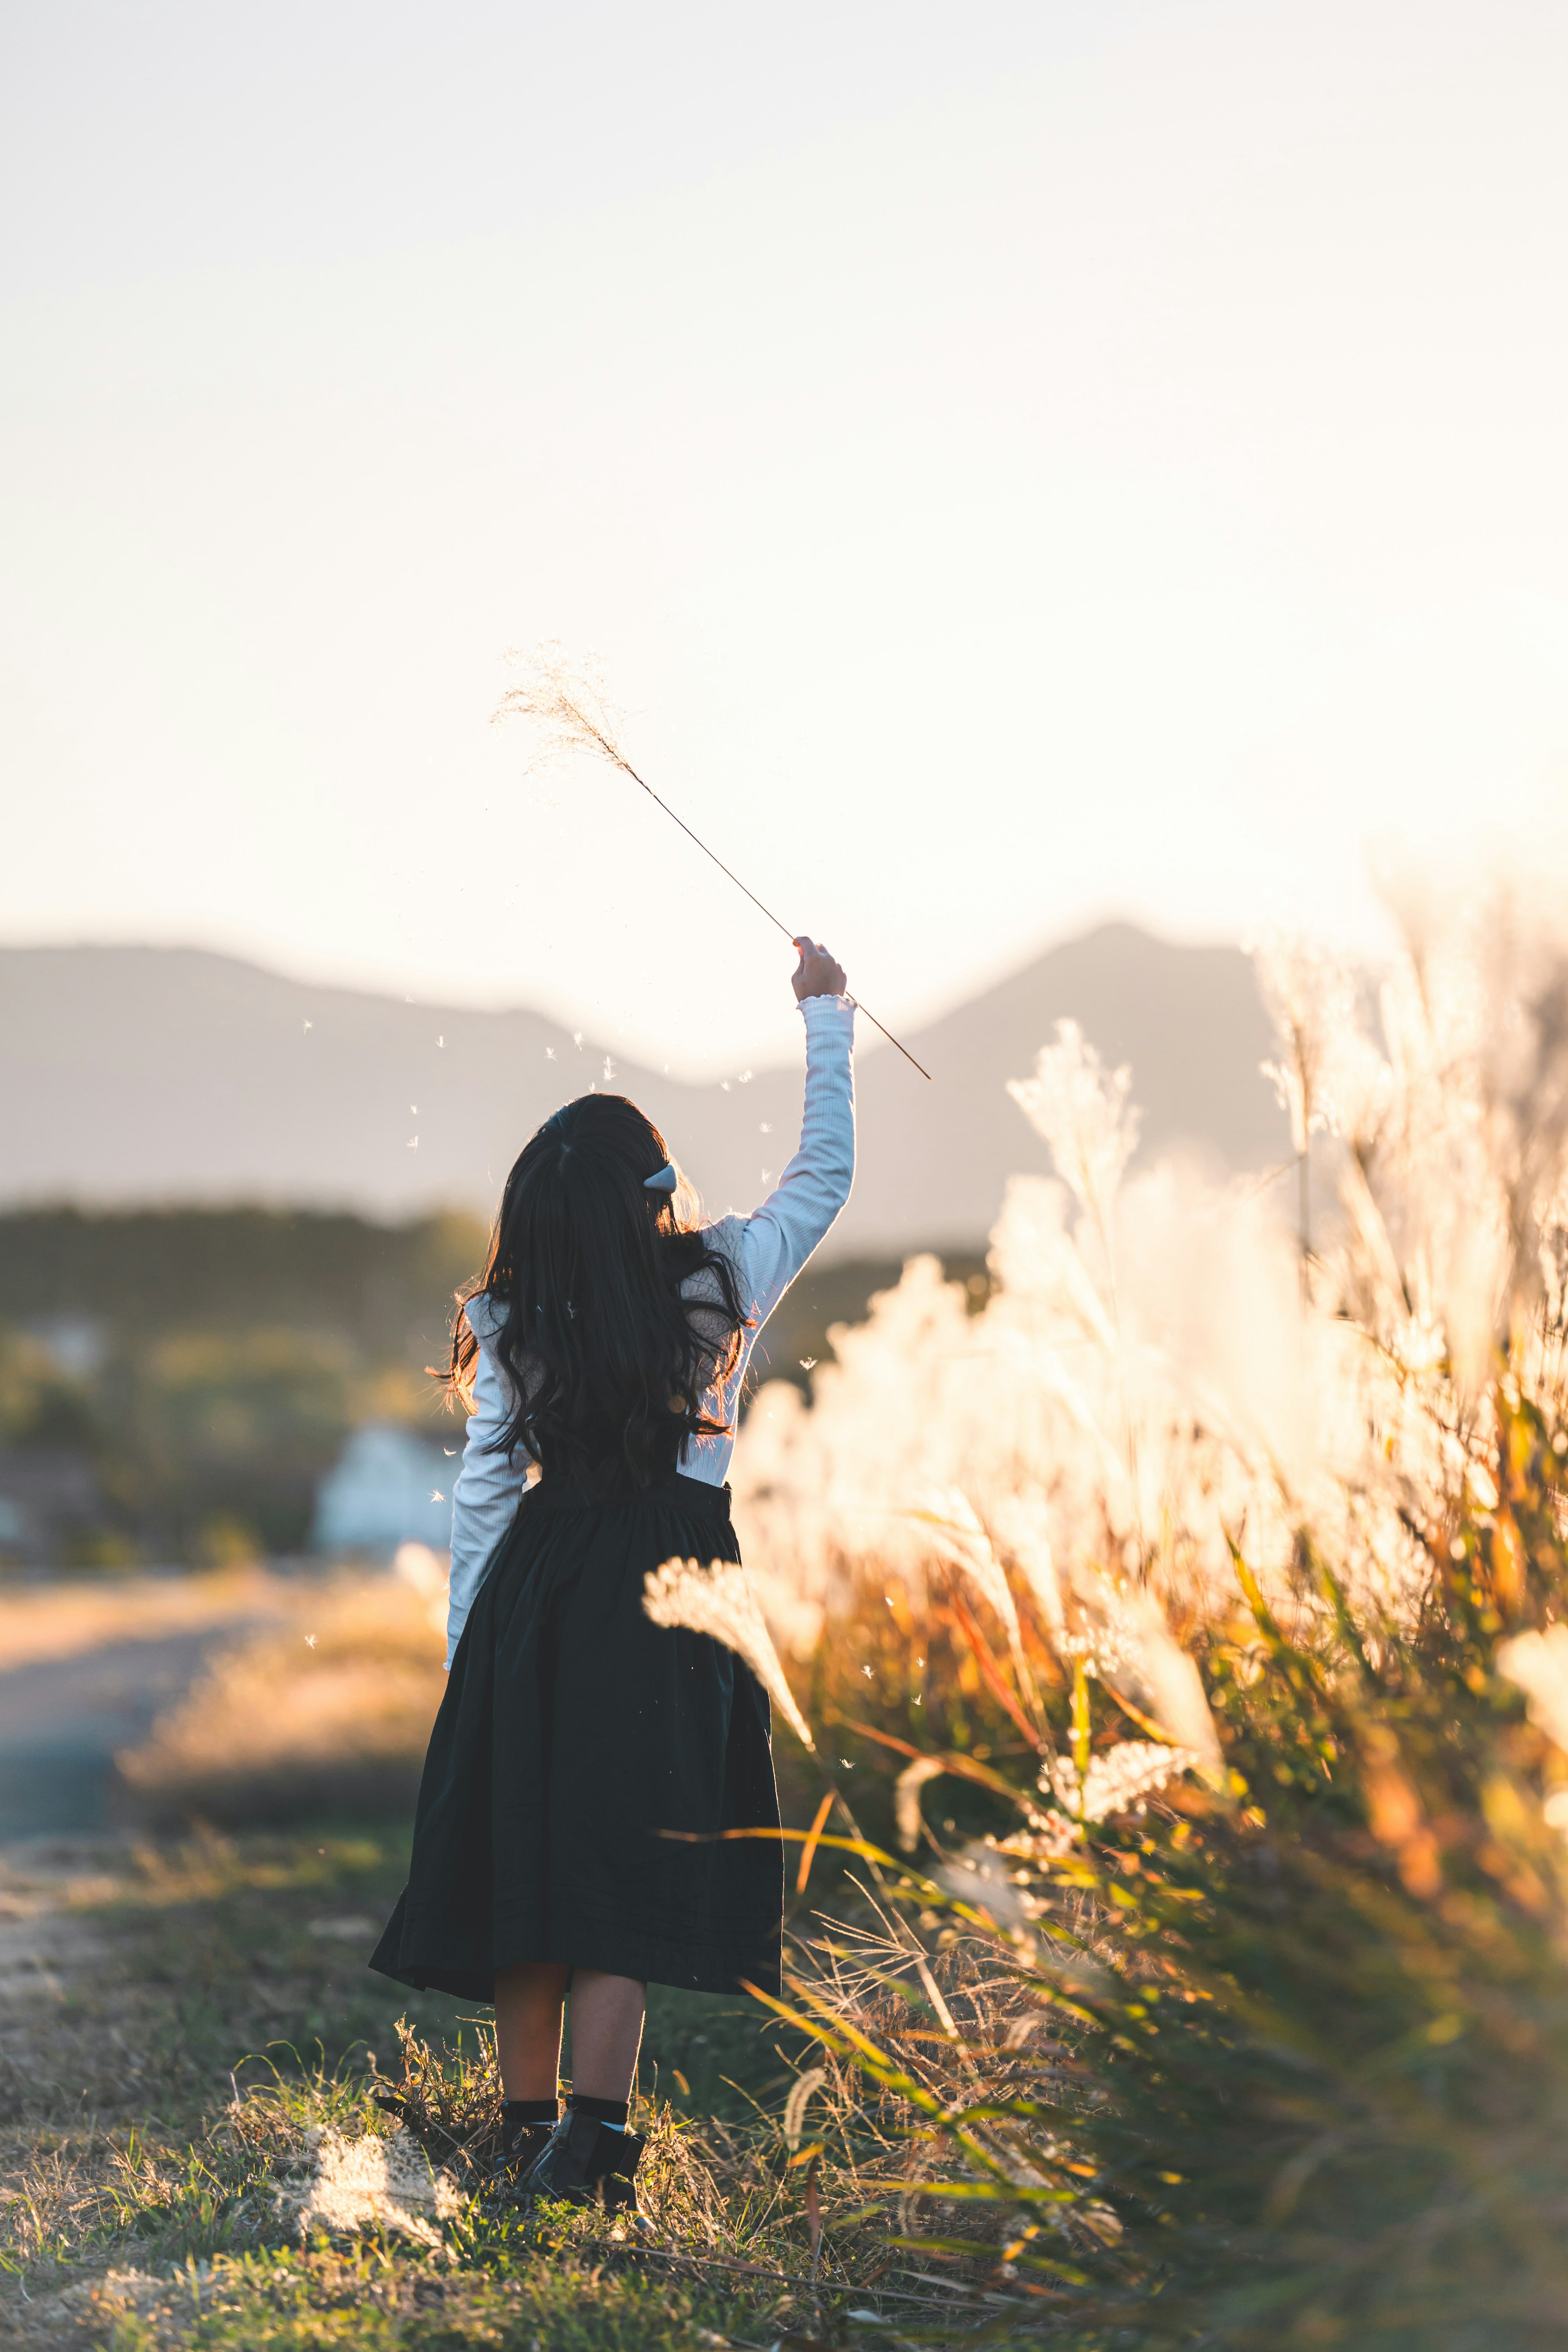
pixel 767 1250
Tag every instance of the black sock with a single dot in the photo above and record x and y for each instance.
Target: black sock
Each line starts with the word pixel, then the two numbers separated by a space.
pixel 530 2112
pixel 605 2111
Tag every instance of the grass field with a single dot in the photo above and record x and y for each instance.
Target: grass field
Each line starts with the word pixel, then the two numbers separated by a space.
pixel 156 1995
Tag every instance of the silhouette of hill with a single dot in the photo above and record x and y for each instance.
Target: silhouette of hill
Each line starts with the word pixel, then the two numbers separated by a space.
pixel 160 1075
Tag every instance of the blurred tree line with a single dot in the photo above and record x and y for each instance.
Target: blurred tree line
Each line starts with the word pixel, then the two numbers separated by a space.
pixel 206 1365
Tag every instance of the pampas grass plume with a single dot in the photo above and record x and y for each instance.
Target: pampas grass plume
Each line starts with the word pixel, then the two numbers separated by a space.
pixel 718 1601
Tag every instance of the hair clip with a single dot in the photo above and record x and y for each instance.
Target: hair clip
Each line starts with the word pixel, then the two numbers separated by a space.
pixel 665 1181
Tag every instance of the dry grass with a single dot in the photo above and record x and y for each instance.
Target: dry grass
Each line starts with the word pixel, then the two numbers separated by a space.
pixel 65 1620
pixel 333 1711
pixel 1291 1910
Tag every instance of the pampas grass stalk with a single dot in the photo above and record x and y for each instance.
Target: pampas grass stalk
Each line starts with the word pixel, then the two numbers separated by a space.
pixel 568 706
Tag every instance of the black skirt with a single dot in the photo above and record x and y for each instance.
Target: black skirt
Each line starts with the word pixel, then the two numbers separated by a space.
pixel 574 1734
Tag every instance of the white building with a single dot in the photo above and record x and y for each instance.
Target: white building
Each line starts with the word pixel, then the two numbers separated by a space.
pixel 387 1487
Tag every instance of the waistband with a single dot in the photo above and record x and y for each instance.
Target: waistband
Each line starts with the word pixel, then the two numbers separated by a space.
pixel 677 1491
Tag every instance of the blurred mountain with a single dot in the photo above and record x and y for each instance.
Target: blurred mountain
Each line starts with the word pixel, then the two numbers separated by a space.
pixel 142 1075
pixel 1187 1021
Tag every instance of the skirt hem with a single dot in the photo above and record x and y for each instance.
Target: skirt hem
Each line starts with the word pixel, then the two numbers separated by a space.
pixel 478 1983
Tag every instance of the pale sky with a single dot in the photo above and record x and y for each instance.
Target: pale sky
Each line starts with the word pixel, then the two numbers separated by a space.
pixel 1020 463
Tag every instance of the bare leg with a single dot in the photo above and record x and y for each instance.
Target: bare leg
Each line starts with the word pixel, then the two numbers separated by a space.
pixel 606 2031
pixel 529 1997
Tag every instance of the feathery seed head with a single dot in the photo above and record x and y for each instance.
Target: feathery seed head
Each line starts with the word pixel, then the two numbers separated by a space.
pixel 718 1601
pixel 566 704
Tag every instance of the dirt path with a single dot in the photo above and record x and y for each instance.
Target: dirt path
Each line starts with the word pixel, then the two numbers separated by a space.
pixel 48 1888
pixel 84 1671
pixel 62 1719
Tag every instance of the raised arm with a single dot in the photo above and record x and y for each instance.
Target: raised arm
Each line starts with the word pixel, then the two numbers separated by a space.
pixel 484 1496
pixel 776 1241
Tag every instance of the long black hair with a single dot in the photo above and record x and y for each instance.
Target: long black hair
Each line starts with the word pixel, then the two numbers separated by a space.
pixel 608 1358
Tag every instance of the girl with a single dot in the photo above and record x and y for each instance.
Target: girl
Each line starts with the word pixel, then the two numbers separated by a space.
pixel 607 1345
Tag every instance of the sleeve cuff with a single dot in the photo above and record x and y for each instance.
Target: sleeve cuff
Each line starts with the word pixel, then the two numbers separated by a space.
pixel 828 1012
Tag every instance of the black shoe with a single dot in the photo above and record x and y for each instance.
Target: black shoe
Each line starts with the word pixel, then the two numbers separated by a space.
pixel 521 2144
pixel 588 2162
